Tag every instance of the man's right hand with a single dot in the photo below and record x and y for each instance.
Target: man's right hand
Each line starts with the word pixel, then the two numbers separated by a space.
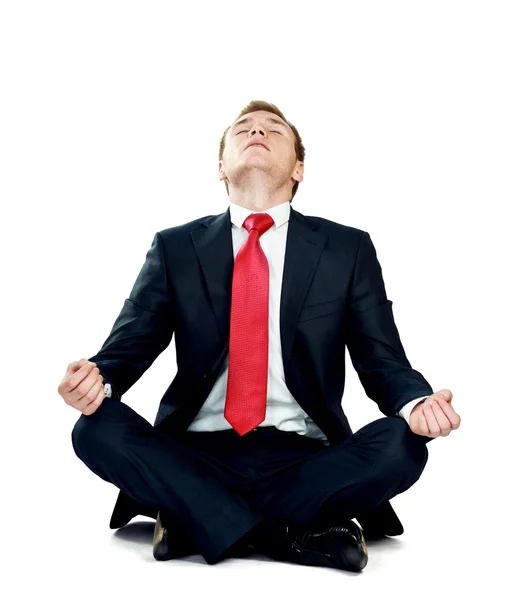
pixel 82 387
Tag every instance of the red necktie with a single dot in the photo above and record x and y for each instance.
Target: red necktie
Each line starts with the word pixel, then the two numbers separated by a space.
pixel 246 395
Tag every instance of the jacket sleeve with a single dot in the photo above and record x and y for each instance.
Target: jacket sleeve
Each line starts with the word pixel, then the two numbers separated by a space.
pixel 142 330
pixel 373 340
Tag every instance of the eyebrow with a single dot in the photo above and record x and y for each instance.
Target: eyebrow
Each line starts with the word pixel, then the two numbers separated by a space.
pixel 270 119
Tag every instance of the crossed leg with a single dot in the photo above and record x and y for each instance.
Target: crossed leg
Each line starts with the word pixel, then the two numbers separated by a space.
pixel 354 477
pixel 155 469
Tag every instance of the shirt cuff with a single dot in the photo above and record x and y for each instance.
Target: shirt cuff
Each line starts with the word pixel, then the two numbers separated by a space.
pixel 405 411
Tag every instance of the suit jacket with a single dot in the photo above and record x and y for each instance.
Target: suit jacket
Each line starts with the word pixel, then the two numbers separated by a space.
pixel 333 297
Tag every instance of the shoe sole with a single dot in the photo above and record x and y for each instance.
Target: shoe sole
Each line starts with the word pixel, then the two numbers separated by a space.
pixel 160 549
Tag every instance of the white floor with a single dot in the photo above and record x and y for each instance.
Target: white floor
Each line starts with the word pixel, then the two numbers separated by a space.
pixel 85 560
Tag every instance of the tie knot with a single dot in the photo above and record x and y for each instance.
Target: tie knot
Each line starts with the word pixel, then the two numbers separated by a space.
pixel 259 221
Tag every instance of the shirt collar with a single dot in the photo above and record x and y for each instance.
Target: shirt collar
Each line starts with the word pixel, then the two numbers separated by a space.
pixel 279 213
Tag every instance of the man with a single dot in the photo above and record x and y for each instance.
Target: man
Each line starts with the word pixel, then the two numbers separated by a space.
pixel 250 449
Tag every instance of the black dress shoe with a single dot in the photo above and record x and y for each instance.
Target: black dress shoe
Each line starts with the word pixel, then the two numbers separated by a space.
pixel 337 544
pixel 169 540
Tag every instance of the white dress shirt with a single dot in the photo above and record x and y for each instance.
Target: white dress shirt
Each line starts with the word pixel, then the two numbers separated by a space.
pixel 282 410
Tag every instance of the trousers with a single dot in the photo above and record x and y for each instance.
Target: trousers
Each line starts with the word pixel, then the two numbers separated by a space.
pixel 221 485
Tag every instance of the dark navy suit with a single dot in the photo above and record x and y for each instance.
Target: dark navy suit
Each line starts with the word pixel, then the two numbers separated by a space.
pixel 333 298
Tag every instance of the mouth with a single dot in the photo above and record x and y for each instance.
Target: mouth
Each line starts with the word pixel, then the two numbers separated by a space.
pixel 257 146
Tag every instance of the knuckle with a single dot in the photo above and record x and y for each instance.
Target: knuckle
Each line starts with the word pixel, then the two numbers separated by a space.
pixel 83 389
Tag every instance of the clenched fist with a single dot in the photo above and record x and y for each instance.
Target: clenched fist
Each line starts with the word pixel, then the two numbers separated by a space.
pixel 434 416
pixel 82 386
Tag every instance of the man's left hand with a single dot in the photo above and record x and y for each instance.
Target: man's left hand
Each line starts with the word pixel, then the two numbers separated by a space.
pixel 434 416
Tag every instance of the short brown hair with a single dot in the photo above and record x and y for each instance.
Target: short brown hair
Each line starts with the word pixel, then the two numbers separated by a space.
pixel 300 151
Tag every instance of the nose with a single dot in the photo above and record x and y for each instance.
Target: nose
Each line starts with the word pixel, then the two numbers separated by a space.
pixel 257 128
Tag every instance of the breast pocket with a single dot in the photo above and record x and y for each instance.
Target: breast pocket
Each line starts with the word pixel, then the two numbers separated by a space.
pixel 322 309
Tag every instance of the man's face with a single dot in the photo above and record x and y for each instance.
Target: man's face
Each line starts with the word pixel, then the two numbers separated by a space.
pixel 278 157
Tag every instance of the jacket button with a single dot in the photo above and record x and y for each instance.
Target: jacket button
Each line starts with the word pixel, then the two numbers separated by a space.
pixel 205 376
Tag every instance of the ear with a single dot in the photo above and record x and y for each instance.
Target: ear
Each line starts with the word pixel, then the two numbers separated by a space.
pixel 298 173
pixel 221 172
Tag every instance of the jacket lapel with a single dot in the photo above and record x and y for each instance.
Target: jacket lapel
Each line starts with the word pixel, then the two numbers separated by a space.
pixel 214 248
pixel 304 247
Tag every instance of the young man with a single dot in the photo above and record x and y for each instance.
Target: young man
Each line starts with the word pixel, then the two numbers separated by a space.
pixel 251 450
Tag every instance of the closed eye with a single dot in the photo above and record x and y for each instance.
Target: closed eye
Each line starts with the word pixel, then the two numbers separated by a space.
pixel 272 131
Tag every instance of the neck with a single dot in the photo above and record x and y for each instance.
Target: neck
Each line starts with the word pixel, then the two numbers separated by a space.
pixel 260 195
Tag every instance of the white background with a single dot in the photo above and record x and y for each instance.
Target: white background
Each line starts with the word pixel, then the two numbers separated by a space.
pixel 411 113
